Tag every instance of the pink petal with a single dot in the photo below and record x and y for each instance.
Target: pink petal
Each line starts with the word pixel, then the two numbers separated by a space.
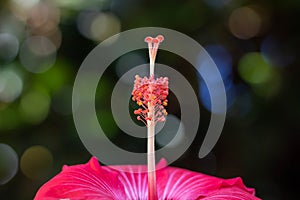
pixel 185 184
pixel 85 181
pixel 233 193
pixel 90 181
pixel 232 189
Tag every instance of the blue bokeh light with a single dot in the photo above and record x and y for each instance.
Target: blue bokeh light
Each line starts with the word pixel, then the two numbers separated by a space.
pixel 206 96
pixel 223 60
pixel 276 53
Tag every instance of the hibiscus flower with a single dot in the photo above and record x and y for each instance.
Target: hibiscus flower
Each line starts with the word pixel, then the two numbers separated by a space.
pixel 138 182
pixel 91 181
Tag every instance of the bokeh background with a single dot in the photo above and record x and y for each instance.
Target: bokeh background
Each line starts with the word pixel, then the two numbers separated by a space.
pixel 255 45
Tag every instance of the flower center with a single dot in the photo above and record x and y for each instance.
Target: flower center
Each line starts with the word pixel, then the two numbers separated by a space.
pixel 151 92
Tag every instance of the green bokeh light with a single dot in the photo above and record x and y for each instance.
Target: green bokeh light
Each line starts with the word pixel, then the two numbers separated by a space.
pixel 271 87
pixel 34 106
pixel 36 162
pixel 253 69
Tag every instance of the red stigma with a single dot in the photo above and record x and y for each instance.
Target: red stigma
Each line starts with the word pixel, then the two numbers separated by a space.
pixel 148 39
